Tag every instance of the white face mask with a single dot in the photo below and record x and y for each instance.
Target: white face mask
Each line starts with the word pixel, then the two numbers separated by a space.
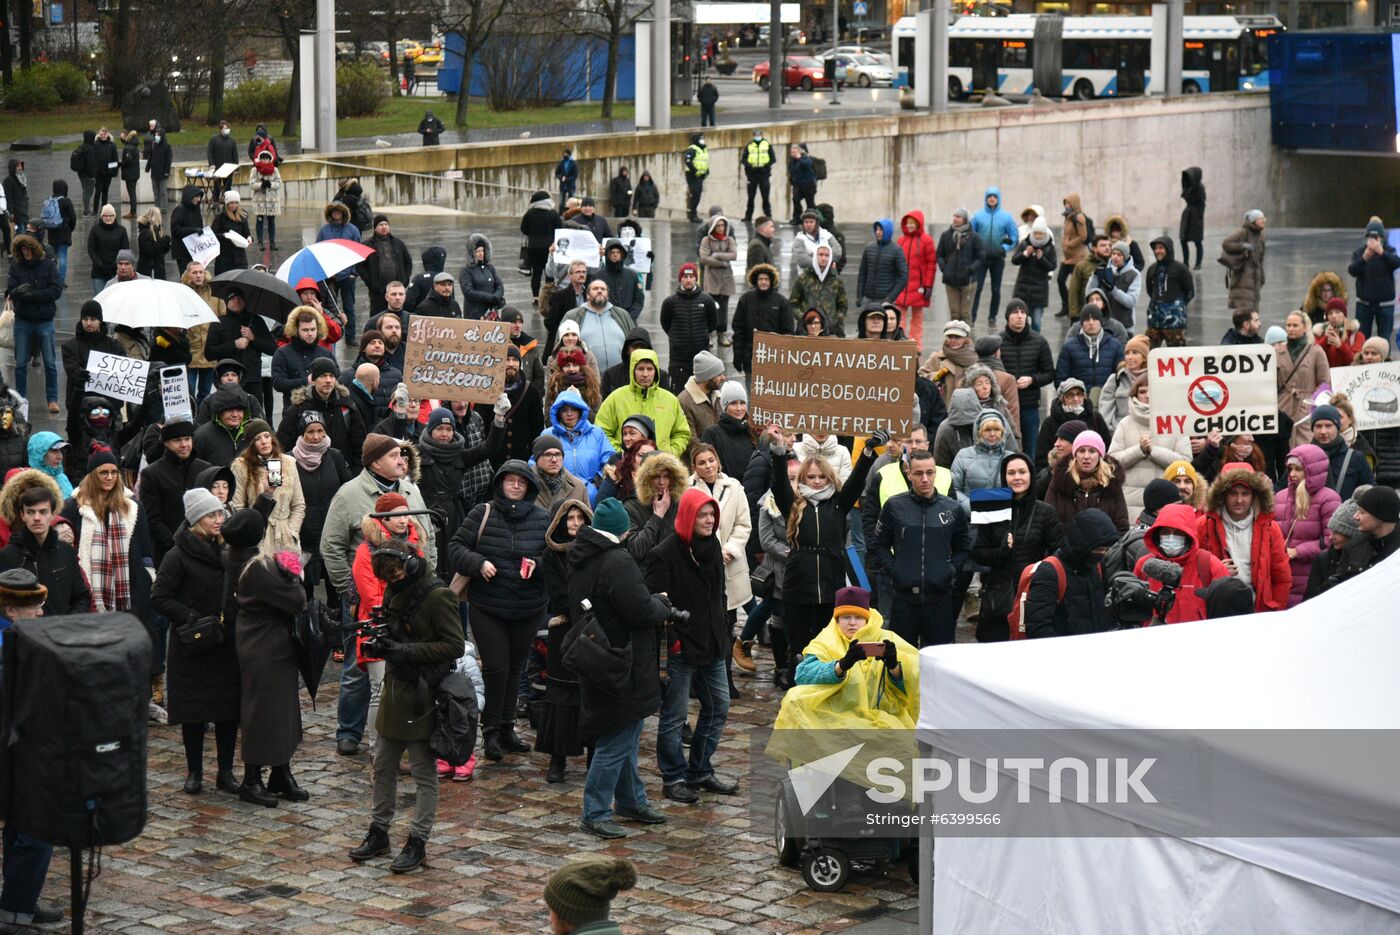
pixel 157 137
pixel 224 131
pixel 1172 544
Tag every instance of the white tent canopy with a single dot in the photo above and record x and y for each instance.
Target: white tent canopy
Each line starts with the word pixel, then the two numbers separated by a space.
pixel 1328 664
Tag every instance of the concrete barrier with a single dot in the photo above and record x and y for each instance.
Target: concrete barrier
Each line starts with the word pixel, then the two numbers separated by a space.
pixel 1121 156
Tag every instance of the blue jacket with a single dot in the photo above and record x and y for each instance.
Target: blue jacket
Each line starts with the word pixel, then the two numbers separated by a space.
pixel 996 226
pixel 1075 360
pixel 801 171
pixel 346 231
pixel 884 272
pixel 586 447
pixel 39 445
pixel 567 173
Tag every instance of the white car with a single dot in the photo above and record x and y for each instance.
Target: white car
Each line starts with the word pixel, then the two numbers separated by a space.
pixel 848 50
pixel 865 71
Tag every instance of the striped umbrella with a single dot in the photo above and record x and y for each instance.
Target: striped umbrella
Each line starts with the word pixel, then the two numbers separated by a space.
pixel 321 261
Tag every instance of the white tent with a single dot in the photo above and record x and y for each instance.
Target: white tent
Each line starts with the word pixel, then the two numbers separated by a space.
pixel 1328 664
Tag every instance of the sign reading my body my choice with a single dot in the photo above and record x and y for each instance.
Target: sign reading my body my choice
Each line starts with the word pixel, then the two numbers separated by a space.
pixel 1197 390
pixel 454 358
pixel 833 387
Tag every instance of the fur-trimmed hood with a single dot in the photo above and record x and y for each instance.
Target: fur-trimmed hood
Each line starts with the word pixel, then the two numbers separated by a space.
pixel 768 268
pixel 302 393
pixel 24 480
pixel 1312 301
pixel 556 522
pixel 474 241
pixel 376 533
pixel 26 240
pixel 334 206
pixel 1353 326
pixel 1231 475
pixel 652 466
pixel 289 330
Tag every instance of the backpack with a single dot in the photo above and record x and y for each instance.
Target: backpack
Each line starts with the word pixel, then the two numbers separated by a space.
pixel 819 168
pixel 1016 620
pixel 1089 232
pixel 75 161
pixel 52 214
pixel 1121 556
pixel 454 728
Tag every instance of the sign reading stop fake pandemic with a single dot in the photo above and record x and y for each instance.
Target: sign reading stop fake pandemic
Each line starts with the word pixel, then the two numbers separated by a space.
pixel 1374 391
pixel 833 387
pixel 454 358
pixel 1198 390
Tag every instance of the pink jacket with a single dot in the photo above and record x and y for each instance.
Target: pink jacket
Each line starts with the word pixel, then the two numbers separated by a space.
pixel 1309 533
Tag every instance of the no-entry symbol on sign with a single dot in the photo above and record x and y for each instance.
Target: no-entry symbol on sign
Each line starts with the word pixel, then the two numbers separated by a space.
pixel 1208 395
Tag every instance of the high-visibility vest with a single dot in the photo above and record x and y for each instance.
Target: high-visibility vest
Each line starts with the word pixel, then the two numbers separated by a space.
pixel 758 154
pixel 699 160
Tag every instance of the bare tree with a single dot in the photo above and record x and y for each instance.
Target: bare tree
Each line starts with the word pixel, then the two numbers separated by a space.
pixel 387 22
pixel 614 18
pixel 474 20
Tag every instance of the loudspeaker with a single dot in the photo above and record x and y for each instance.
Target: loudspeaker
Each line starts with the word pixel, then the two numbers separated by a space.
pixel 73 707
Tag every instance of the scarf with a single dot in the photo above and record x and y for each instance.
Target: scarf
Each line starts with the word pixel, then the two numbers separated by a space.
pixel 442 453
pixel 111 588
pixel 307 455
pixel 385 485
pixel 964 356
pixel 816 496
pixel 1239 539
pixel 1093 345
pixel 552 484
pixel 1298 346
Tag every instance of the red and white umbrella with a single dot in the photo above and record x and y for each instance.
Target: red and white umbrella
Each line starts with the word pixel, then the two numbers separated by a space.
pixel 320 261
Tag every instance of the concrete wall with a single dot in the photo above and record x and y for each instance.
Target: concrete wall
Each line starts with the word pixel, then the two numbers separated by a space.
pixel 1121 156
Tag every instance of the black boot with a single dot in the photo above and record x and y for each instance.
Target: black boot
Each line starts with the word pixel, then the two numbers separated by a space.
pixel 256 794
pixel 227 781
pixel 194 783
pixel 375 844
pixel 492 745
pixel 413 856
pixel 556 769
pixel 510 743
pixel 282 784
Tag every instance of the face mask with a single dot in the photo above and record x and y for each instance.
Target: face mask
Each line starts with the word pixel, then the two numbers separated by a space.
pixel 224 131
pixel 1172 544
pixel 157 137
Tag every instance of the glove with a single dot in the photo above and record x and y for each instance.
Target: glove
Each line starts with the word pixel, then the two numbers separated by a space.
pixel 853 655
pixel 392 650
pixel 879 439
pixel 502 407
pixel 891 656
pixel 23 290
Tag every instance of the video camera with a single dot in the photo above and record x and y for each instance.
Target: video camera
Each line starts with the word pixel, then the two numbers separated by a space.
pixel 373 630
pixel 1131 600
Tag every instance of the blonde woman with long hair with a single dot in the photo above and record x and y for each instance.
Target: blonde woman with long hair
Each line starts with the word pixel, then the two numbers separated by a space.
pixel 260 469
pixel 152 244
pixel 1303 512
pixel 1088 479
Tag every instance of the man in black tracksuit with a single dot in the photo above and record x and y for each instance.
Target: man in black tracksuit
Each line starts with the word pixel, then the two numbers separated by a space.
pixel 931 540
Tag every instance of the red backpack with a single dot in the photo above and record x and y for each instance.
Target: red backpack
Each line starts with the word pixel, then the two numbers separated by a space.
pixel 1016 620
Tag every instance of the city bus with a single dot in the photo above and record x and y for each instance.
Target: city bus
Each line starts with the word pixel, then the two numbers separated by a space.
pixel 1084 57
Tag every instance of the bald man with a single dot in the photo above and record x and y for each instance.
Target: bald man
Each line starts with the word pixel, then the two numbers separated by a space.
pixel 362 391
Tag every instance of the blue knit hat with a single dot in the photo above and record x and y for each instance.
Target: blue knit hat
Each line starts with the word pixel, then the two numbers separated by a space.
pixel 439 416
pixel 610 517
pixel 1326 413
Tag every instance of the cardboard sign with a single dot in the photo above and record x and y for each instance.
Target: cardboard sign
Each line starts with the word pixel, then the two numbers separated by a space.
pixel 570 245
pixel 640 247
pixel 175 394
pixel 1197 390
pixel 1374 391
pixel 833 386
pixel 203 247
pixel 119 377
pixel 453 358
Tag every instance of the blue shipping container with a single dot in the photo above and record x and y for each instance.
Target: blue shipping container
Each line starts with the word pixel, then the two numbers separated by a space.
pixel 1335 90
pixel 449 77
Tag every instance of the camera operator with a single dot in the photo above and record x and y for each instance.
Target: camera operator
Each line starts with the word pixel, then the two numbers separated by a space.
pixel 1078 606
pixel 602 573
pixel 423 640
pixel 1172 538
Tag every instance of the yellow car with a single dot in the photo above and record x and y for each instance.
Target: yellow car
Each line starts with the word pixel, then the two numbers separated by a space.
pixel 420 54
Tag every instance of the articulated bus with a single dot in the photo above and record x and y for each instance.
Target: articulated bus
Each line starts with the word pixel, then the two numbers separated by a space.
pixel 1084 57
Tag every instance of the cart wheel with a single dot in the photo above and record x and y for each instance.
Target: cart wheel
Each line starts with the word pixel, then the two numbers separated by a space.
pixel 788 846
pixel 826 869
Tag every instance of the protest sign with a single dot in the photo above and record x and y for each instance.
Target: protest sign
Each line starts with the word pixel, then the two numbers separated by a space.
pixel 454 358
pixel 175 394
pixel 1197 390
pixel 203 247
pixel 641 253
pixel 119 377
pixel 570 245
pixel 1374 391
pixel 833 387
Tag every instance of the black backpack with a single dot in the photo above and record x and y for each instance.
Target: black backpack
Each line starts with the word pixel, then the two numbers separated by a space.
pixel 1123 555
pixel 75 161
pixel 454 728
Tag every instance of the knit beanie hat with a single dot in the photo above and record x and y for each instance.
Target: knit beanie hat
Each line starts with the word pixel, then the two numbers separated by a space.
pixel 245 528
pixel 1381 502
pixel 126 256
pixel 609 516
pixel 310 417
pixel 91 309
pixel 1344 520
pixel 731 392
pixel 1090 439
pixel 1089 310
pixel 545 442
pixel 1139 343
pixel 1159 493
pixel 256 427
pixel 1275 334
pixel 1121 246
pixel 573 356
pixel 1069 431
pixel 173 430
pixel 368 335
pixel 439 416
pixel 852 600
pixel 388 502
pixel 1182 468
pixel 582 891
pixel 19 587
pixel 641 423
pixel 681 272
pixel 706 367
pixel 101 455
pixel 1326 413
pixel 199 503
pixel 509 313
pixel 376 446
pixel 1378 344
pixel 379 219
pixel 322 366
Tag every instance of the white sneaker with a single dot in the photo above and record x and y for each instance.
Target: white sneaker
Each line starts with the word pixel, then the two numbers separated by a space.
pixel 156 714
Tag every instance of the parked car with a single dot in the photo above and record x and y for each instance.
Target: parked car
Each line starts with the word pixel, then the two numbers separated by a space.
pixel 798 72
pixel 865 71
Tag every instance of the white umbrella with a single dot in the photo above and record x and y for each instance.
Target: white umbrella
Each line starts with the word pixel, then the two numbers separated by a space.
pixel 154 303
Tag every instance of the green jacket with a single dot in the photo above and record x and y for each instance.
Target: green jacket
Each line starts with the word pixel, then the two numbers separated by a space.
pixel 432 627
pixel 828 294
pixel 661 406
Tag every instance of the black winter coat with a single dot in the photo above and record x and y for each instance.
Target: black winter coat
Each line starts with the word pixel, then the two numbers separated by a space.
pixel 55 564
pixel 200 686
pixel 84 159
pixel 697 587
pixel 104 153
pixel 601 572
pixel 389 262
pixel 524 424
pixel 131 160
pixel 539 224
pixel 688 318
pixel 219 344
pixel 438 307
pixel 620 194
pixel 623 290
pixel 1193 216
pixel 482 290
pixel 163 485
pixel 759 310
pixel 1082 609
pixel 104 242
pixel 434 261
pixel 231 256
pixel 162 158
pixel 440 482
pixel 930 539
pixel 1058 417
pixel 1033 273
pixel 151 251
pixel 816 566
pixel 1375 277
pixel 291 365
pixel 735 445
pixel 1036 532
pixel 960 266
pixel 184 220
pixel 221 149
pixel 1027 354
pixel 514 530
pixel 40 301
pixel 319 488
pixel 343 423
pixel 268 600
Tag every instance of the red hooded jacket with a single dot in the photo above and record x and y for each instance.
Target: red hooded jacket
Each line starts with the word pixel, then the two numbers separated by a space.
pixel 1269 570
pixel 921 255
pixel 1198 568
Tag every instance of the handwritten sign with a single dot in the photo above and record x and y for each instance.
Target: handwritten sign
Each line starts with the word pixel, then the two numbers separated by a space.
pixel 570 245
pixel 175 394
pixel 832 386
pixel 203 247
pixel 1374 391
pixel 119 377
pixel 1197 390
pixel 454 358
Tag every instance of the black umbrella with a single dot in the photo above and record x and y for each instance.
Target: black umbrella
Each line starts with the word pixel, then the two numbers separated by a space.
pixel 313 632
pixel 265 294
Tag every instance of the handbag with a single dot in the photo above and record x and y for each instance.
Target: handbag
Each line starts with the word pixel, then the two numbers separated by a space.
pixel 7 325
pixel 202 635
pixel 761 580
pixel 460 582
pixel 589 653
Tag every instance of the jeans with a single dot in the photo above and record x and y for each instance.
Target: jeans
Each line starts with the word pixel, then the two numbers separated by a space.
pixel 1382 316
pixel 807 192
pixel 98 284
pixel 352 709
pixel 758 185
pixel 612 775
pixel 345 293
pixel 423 765
pixel 201 385
pixel 994 267
pixel 857 539
pixel 707 115
pixel 27 334
pixel 1036 315
pixel 61 254
pixel 89 189
pixel 1030 428
pixel 884 593
pixel 755 619
pixel 271 229
pixel 158 193
pixel 927 620
pixel 26 865
pixel 712 688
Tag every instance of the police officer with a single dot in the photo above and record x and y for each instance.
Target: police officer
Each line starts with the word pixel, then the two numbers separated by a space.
pixel 697 169
pixel 757 158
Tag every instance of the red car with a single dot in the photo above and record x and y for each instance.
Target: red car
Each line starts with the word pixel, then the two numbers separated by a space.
pixel 798 72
